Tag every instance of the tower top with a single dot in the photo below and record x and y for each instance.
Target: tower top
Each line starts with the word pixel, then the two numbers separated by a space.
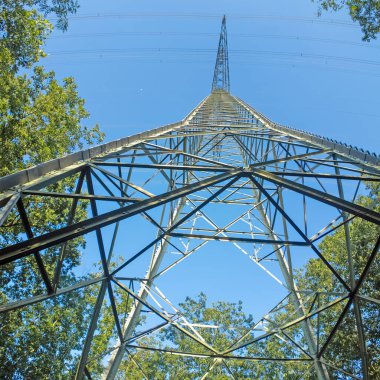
pixel 221 79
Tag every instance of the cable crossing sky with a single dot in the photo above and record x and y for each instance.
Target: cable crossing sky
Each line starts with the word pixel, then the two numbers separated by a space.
pixel 224 176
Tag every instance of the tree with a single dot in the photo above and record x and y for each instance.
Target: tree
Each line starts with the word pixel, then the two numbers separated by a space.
pixel 221 324
pixel 227 322
pixel 24 28
pixel 40 119
pixel 365 12
pixel 344 348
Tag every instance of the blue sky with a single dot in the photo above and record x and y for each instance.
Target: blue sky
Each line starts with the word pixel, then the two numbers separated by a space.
pixel 142 64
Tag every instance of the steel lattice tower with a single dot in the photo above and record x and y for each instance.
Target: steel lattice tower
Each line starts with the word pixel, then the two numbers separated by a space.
pixel 226 174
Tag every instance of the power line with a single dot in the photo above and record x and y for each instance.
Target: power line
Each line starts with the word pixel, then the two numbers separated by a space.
pixel 199 34
pixel 283 62
pixel 198 51
pixel 119 15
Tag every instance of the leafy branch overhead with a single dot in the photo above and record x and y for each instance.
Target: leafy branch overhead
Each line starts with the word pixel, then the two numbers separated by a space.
pixel 224 322
pixel 365 12
pixel 40 119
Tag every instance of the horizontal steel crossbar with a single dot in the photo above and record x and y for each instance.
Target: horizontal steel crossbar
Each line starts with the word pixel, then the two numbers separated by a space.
pixel 38 243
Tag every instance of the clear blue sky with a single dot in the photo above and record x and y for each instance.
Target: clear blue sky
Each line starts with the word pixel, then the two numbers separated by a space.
pixel 142 64
pixel 298 69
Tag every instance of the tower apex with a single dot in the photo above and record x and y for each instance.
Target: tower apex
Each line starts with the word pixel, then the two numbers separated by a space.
pixel 221 80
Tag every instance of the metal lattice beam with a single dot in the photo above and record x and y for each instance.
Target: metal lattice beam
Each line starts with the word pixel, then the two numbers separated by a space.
pixel 223 154
pixel 221 80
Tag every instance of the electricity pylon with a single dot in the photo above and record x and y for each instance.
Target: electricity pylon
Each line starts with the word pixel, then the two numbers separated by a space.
pixel 225 173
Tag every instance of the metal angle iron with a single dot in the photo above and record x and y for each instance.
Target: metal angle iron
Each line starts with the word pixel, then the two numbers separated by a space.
pixel 225 156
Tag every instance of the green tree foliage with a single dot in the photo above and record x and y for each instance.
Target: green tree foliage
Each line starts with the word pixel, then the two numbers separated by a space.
pixel 40 119
pixel 22 34
pixel 227 323
pixel 106 336
pixel 60 9
pixel 315 276
pixel 365 12
pixel 233 323
pixel 24 28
